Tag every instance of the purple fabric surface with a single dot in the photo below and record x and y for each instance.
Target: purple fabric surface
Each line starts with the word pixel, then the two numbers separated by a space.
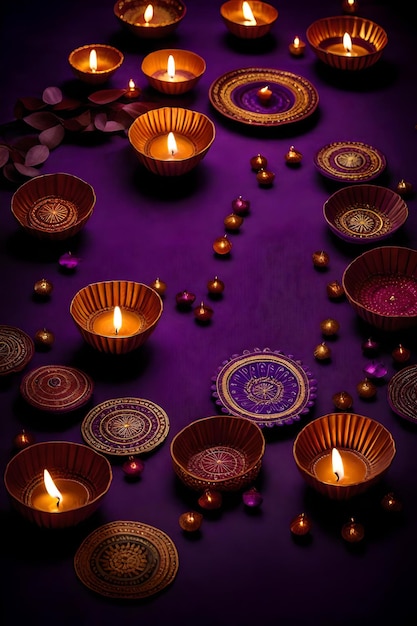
pixel 244 567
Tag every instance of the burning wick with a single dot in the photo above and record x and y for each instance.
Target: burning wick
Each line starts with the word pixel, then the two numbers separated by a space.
pixel 51 487
pixel 117 319
pixel 337 465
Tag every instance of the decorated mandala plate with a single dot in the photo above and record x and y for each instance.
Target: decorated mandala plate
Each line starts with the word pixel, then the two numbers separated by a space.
pixel 265 386
pixel 402 393
pixel 126 560
pixel 16 349
pixel 56 388
pixel 235 95
pixel 125 426
pixel 350 161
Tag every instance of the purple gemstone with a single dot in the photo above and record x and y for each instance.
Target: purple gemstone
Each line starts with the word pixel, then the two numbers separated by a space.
pixel 252 497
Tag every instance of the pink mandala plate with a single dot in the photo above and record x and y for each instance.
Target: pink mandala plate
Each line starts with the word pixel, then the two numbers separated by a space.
pixel 266 386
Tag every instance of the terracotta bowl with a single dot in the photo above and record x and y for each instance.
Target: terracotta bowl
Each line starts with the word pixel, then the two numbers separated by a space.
pixel 82 475
pixel 222 453
pixel 137 301
pixel 368 39
pixel 53 206
pixel 265 16
pixel 366 446
pixel 109 59
pixel 365 213
pixel 148 137
pixel 167 16
pixel 189 68
pixel 381 287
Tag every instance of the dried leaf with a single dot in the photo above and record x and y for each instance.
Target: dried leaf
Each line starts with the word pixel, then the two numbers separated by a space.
pixel 67 104
pixel 37 155
pixel 52 95
pixel 4 155
pixel 42 120
pixel 105 96
pixel 31 104
pixel 30 172
pixel 52 137
pixel 80 122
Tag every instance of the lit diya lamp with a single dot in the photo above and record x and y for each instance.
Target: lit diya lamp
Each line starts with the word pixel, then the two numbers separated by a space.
pixel 203 313
pixel 233 222
pixel 293 157
pixel 264 94
pixel 320 259
pixel 350 6
pixel 190 521
pixel 258 162
pixel 210 500
pixel 300 525
pixel 222 245
pixel 159 286
pixel 185 299
pixel 95 63
pixel 297 47
pixel 43 288
pixel 132 91
pixel 215 287
pixel 265 178
pixel 248 20
pixel 353 531
pixel 173 71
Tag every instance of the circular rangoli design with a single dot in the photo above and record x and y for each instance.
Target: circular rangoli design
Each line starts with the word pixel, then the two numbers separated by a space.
pixel 52 214
pixel 362 222
pixel 125 426
pixel 56 388
pixel 265 386
pixel 217 463
pixel 127 560
pixel 388 294
pixel 402 393
pixel 16 349
pixel 352 161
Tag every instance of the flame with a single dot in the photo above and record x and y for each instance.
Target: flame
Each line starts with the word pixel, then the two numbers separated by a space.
pixel 172 144
pixel 51 488
pixel 247 13
pixel 117 319
pixel 337 464
pixel 148 15
pixel 347 42
pixel 93 60
pixel 171 66
pixel 132 84
pixel 296 42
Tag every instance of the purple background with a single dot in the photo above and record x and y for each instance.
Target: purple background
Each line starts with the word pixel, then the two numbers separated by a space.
pixel 244 567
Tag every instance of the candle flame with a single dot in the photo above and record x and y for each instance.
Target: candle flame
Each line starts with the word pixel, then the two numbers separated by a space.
pixel 117 319
pixel 347 42
pixel 171 66
pixel 132 84
pixel 93 60
pixel 148 15
pixel 247 14
pixel 264 89
pixel 172 144
pixel 351 2
pixel 337 464
pixel 296 42
pixel 51 488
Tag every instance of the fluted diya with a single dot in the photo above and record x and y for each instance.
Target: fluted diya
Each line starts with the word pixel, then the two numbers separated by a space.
pixel 248 20
pixel 150 20
pixel 95 63
pixel 173 72
pixel 338 463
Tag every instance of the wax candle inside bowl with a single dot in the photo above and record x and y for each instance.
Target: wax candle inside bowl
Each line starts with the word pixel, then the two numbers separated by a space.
pixel 172 74
pixel 348 46
pixel 120 322
pixel 171 147
pixel 345 467
pixel 61 494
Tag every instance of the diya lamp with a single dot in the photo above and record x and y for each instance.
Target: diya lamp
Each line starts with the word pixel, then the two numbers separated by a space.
pixel 159 286
pixel 322 352
pixel 95 63
pixel 293 157
pixel 252 498
pixel 185 299
pixel 334 290
pixel 300 525
pixel 391 503
pixel 297 47
pixel 190 521
pixel 132 91
pixel 44 338
pixel 353 531
pixel 43 288
pixel 23 440
pixel 366 389
pixel 320 259
pixel 133 467
pixel 401 354
pixel 258 162
pixel 150 20
pixel 240 206
pixel 404 188
pixel 264 94
pixel 265 178
pixel 248 20
pixel 342 400
pixel 233 222
pixel 350 6
pixel 329 327
pixel 203 313
pixel 216 286
pixel 222 245
pixel 370 346
pixel 173 72
pixel 210 500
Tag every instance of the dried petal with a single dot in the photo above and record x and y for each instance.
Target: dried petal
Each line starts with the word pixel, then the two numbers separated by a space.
pixel 106 95
pixel 67 104
pixel 52 137
pixel 4 155
pixel 26 171
pixel 134 109
pixel 42 120
pixel 52 95
pixel 37 155
pixel 80 122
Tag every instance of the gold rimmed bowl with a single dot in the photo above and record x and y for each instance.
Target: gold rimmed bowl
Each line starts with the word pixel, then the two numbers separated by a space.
pixel 116 316
pixel 81 477
pixel 381 287
pixel 53 206
pixel 186 70
pixel 365 213
pixel 364 449
pixel 95 63
pixel 362 48
pixel 223 453
pixel 150 20
pixel 248 20
pixel 151 132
